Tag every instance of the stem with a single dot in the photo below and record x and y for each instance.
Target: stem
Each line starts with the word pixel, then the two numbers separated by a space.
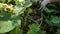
pixel 41 17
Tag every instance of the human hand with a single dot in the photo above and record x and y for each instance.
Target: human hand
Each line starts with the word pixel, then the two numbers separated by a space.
pixel 45 2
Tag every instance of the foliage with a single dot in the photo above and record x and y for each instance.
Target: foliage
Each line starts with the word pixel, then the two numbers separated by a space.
pixel 24 17
pixel 11 19
pixel 34 28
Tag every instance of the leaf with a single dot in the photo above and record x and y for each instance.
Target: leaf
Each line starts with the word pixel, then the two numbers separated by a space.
pixel 34 28
pixel 29 10
pixel 27 3
pixel 9 0
pixel 6 26
pixel 2 1
pixel 17 30
pixel 54 21
pixel 47 10
pixel 1 5
pixel 32 32
pixel 18 10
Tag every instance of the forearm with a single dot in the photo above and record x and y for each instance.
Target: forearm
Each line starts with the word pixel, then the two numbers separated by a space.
pixel 54 1
pixel 45 2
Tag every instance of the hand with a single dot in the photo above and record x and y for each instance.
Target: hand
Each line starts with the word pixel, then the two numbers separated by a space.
pixel 45 2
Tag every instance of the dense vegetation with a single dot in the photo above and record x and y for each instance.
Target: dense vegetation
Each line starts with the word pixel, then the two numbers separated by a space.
pixel 25 17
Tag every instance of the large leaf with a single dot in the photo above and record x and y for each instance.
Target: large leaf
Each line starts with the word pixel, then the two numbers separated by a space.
pixel 6 26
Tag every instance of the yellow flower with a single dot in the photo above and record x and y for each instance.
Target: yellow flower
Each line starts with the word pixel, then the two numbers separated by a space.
pixel 5 6
pixel 10 8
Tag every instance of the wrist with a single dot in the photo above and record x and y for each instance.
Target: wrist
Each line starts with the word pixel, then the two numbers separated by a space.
pixel 48 1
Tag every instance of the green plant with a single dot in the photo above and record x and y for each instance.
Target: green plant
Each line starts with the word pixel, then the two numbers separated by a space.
pixel 11 19
pixel 24 17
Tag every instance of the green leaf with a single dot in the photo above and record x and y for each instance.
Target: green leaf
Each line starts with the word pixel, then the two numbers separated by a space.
pixel 54 21
pixel 47 10
pixel 18 10
pixel 29 10
pixel 32 32
pixel 1 5
pixel 27 3
pixel 6 26
pixel 9 0
pixel 34 28
pixel 2 1
pixel 17 30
